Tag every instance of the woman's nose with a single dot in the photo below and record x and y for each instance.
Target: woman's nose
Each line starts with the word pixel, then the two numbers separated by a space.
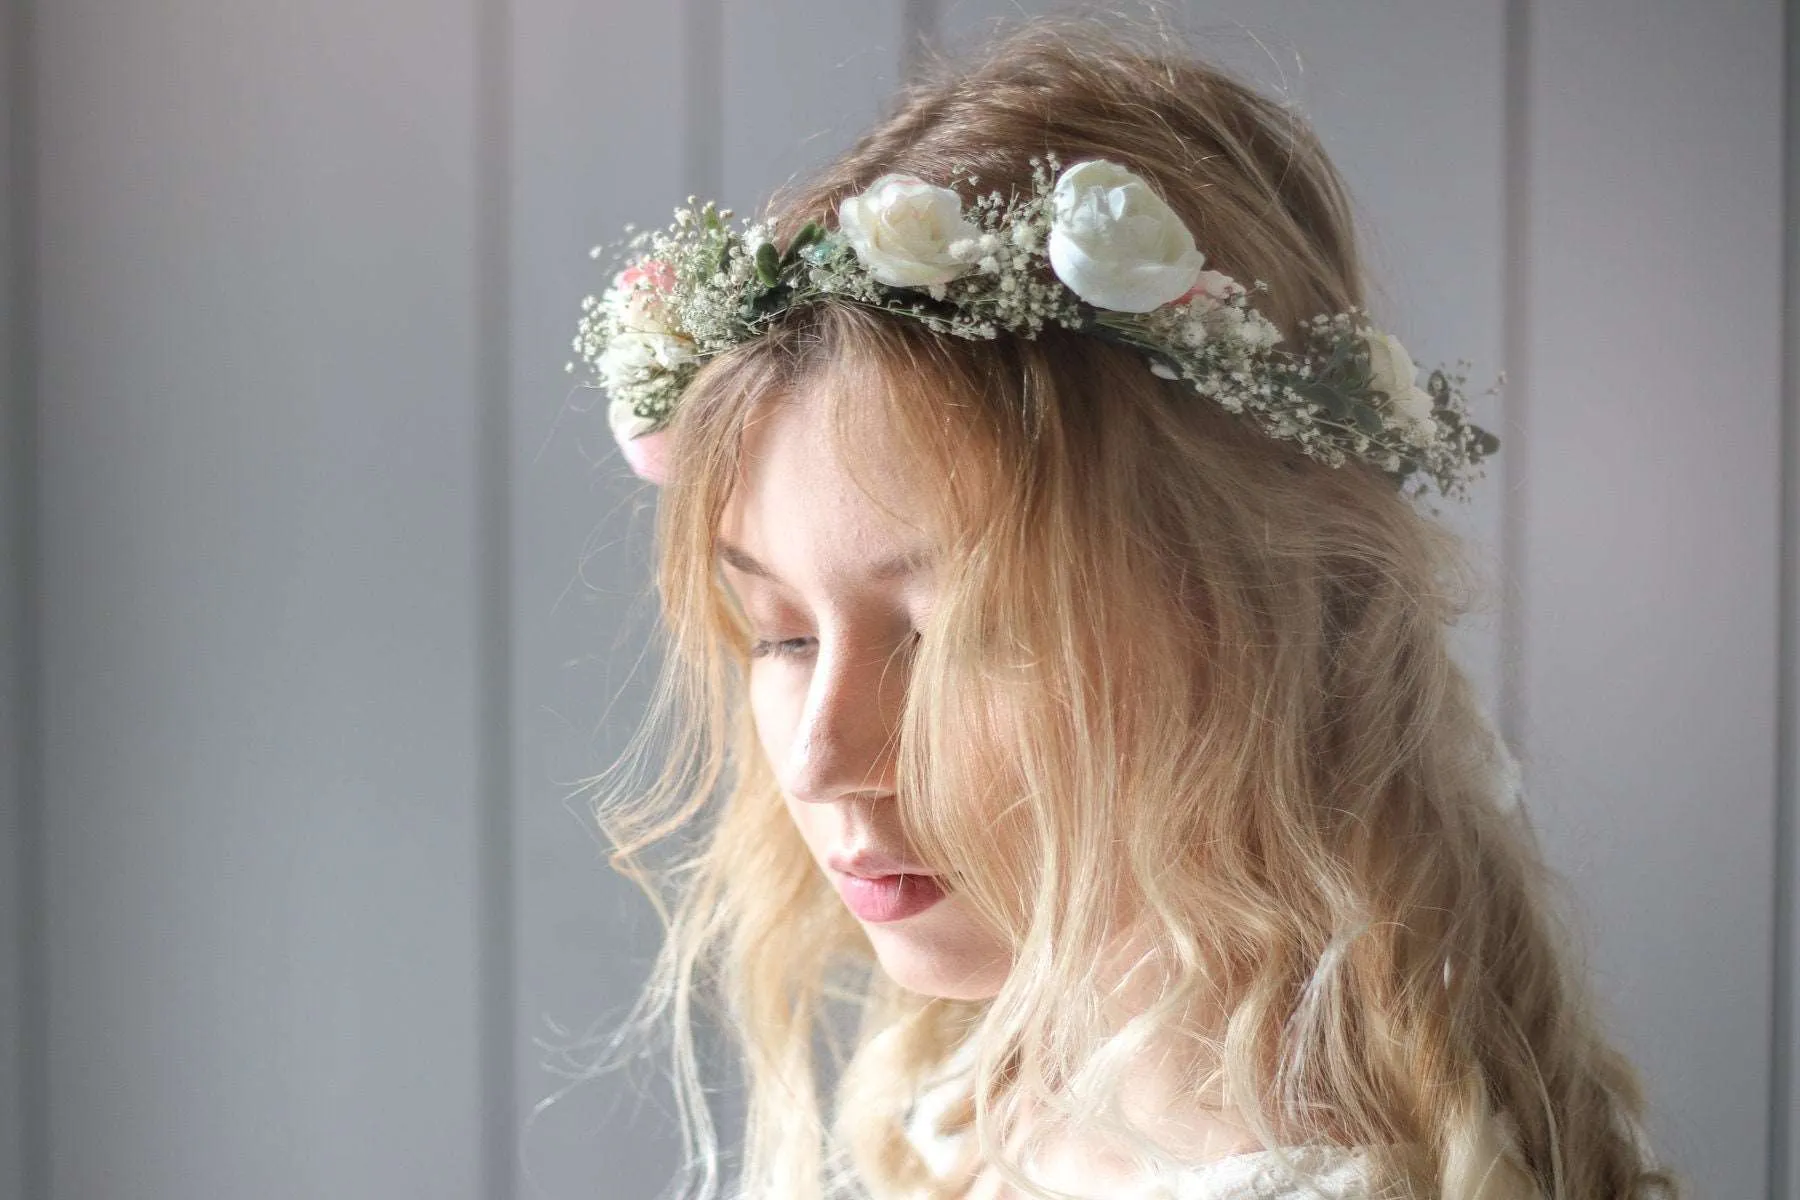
pixel 845 741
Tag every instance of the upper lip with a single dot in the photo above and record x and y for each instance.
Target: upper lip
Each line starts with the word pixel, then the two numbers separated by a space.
pixel 871 864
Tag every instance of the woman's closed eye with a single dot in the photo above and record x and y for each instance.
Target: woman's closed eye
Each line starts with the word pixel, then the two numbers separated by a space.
pixel 798 647
pixel 783 648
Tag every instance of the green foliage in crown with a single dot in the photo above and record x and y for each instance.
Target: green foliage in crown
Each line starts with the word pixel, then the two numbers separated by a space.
pixel 1091 248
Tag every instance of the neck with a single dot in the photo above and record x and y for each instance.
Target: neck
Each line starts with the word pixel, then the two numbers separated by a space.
pixel 1160 1094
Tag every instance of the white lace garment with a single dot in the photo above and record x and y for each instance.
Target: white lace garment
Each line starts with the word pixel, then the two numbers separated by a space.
pixel 1328 1172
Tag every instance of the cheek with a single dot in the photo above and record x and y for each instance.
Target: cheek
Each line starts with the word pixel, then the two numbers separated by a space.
pixel 774 711
pixel 807 818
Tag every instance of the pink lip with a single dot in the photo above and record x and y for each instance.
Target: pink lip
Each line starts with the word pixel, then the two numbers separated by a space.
pixel 888 897
pixel 872 864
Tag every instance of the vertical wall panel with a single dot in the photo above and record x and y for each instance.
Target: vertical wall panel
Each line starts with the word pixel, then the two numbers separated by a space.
pixel 17 928
pixel 599 136
pixel 1785 1098
pixel 802 81
pixel 258 420
pixel 1653 335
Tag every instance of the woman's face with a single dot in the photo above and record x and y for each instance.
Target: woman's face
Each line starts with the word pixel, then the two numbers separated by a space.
pixel 835 591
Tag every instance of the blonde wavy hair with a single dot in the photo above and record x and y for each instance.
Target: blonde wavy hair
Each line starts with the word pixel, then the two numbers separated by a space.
pixel 1178 677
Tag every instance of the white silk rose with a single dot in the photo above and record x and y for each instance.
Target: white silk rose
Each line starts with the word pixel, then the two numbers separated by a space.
pixel 631 356
pixel 1116 243
pixel 1391 372
pixel 901 229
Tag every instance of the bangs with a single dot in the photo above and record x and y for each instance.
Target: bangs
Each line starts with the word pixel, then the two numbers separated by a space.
pixel 941 411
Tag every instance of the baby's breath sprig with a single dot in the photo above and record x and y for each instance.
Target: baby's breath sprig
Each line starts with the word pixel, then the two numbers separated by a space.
pixel 1091 248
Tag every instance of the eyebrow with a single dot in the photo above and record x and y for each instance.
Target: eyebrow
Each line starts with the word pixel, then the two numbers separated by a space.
pixel 899 566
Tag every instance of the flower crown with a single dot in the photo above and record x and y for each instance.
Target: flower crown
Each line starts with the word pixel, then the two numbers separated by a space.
pixel 1092 248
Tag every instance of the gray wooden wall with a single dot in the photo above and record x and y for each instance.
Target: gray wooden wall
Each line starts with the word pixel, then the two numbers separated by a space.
pixel 324 590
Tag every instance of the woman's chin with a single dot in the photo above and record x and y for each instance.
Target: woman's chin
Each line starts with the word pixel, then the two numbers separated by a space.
pixel 924 964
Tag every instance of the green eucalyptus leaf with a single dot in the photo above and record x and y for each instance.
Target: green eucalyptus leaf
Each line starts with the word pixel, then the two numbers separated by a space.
pixel 1329 398
pixel 1367 420
pixel 809 233
pixel 760 303
pixel 768 264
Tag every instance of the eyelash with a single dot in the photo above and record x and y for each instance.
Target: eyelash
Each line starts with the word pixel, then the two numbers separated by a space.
pixel 784 649
pixel 788 647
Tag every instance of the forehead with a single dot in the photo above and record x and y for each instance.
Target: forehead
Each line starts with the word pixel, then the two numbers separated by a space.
pixel 820 506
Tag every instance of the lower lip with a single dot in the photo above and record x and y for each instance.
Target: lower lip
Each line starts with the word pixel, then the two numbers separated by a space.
pixel 889 898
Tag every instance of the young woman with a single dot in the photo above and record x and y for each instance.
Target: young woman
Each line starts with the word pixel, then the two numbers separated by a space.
pixel 1070 789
